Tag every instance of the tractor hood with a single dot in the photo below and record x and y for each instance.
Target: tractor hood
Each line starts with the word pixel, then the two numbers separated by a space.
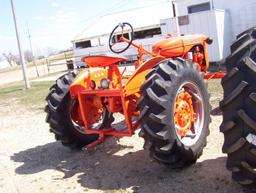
pixel 177 46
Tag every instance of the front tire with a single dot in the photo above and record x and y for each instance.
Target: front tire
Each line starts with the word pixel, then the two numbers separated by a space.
pixel 158 118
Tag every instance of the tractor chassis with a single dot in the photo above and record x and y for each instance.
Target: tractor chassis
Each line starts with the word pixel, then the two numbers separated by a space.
pixel 107 132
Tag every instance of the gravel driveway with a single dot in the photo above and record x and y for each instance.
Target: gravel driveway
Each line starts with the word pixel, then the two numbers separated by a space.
pixel 31 162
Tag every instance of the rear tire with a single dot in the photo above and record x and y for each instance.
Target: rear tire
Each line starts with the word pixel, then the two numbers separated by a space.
pixel 157 115
pixel 59 119
pixel 239 108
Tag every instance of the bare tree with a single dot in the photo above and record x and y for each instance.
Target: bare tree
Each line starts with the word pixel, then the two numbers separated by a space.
pixel 16 59
pixel 28 56
pixel 9 58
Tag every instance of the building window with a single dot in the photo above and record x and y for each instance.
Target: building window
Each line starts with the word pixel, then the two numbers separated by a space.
pixel 126 35
pixel 84 44
pixel 199 7
pixel 147 33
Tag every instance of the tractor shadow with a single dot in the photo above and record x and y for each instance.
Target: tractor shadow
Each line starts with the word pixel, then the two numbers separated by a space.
pixel 107 168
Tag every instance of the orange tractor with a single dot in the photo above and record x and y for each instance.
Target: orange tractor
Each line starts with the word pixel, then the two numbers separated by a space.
pixel 166 97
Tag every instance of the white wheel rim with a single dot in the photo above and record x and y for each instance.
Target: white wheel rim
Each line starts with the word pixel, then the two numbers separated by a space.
pixel 192 137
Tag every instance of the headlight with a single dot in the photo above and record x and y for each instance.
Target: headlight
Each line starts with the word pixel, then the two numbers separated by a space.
pixel 104 83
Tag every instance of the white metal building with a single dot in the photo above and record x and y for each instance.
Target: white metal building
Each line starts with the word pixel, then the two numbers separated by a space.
pixel 240 12
pixel 220 19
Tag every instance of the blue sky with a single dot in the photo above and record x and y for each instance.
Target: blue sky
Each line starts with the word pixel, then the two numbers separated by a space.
pixel 53 23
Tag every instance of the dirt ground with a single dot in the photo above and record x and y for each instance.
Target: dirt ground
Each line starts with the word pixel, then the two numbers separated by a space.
pixel 32 162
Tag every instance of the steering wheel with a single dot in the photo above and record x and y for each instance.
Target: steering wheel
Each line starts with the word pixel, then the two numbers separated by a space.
pixel 113 38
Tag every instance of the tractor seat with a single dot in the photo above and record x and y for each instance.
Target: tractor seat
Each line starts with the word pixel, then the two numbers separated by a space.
pixel 102 61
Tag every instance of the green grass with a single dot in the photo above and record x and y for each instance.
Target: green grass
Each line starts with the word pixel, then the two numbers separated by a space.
pixel 31 98
pixel 216 92
pixel 9 69
pixel 214 87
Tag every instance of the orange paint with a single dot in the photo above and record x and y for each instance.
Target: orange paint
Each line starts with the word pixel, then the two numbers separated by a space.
pixel 102 61
pixel 184 115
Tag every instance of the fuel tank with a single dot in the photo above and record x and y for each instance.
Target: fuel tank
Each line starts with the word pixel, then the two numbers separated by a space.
pixel 178 46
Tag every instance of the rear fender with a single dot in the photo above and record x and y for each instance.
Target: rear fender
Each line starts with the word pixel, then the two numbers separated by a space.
pixel 134 83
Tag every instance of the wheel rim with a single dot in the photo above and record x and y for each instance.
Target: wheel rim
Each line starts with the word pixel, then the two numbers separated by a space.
pixel 188 113
pixel 76 117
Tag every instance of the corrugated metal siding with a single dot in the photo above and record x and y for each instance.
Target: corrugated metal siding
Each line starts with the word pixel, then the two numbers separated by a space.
pixel 243 18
